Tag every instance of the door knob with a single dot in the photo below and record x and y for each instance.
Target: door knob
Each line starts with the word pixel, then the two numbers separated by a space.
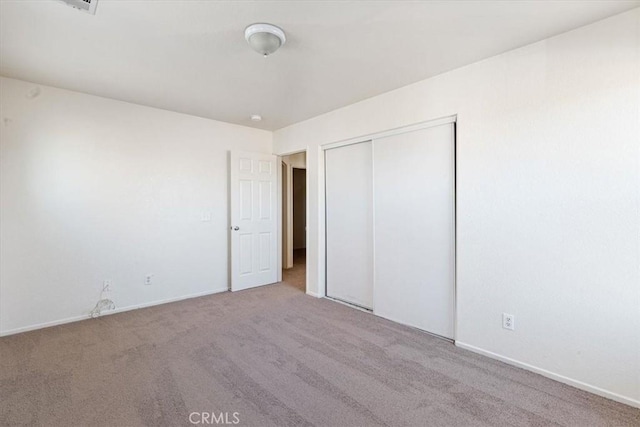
pixel 236 228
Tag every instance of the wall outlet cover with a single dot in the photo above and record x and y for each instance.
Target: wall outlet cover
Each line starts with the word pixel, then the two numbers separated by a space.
pixel 508 321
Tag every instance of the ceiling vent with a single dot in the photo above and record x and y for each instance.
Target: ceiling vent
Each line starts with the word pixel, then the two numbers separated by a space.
pixel 84 5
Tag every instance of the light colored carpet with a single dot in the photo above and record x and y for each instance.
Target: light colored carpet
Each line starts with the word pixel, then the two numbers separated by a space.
pixel 295 276
pixel 277 357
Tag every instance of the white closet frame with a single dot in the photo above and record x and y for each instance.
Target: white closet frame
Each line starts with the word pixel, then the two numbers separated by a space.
pixel 323 206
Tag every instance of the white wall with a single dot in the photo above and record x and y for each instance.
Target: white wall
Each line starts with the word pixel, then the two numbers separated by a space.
pixel 548 199
pixel 94 189
pixel 297 160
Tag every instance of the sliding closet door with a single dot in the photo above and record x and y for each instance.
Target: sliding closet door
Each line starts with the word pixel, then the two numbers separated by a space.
pixel 349 216
pixel 414 228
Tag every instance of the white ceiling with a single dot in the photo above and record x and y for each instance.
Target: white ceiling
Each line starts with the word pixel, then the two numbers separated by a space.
pixel 191 56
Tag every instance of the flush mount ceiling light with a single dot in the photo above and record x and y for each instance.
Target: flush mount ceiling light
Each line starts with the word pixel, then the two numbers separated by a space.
pixel 264 38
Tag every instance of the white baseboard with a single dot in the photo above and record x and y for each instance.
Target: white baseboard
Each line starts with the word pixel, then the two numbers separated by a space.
pixel 313 294
pixel 557 377
pixel 106 313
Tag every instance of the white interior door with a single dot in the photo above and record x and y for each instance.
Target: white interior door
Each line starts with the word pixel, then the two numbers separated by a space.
pixel 414 228
pixel 349 224
pixel 254 225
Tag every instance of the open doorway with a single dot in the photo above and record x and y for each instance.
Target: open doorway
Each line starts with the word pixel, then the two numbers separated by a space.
pixel 294 220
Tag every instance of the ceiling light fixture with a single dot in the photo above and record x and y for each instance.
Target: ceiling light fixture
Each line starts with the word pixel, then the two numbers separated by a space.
pixel 264 38
pixel 256 117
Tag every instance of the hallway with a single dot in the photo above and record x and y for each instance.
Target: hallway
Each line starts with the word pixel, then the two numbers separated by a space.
pixel 296 275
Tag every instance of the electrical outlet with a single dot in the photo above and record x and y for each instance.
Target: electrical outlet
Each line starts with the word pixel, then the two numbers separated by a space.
pixel 508 321
pixel 148 279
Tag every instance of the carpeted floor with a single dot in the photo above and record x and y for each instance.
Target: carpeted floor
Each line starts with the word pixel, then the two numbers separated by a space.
pixel 295 276
pixel 276 357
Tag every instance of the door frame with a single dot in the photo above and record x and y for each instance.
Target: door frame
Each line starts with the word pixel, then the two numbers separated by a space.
pixel 322 222
pixel 280 213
